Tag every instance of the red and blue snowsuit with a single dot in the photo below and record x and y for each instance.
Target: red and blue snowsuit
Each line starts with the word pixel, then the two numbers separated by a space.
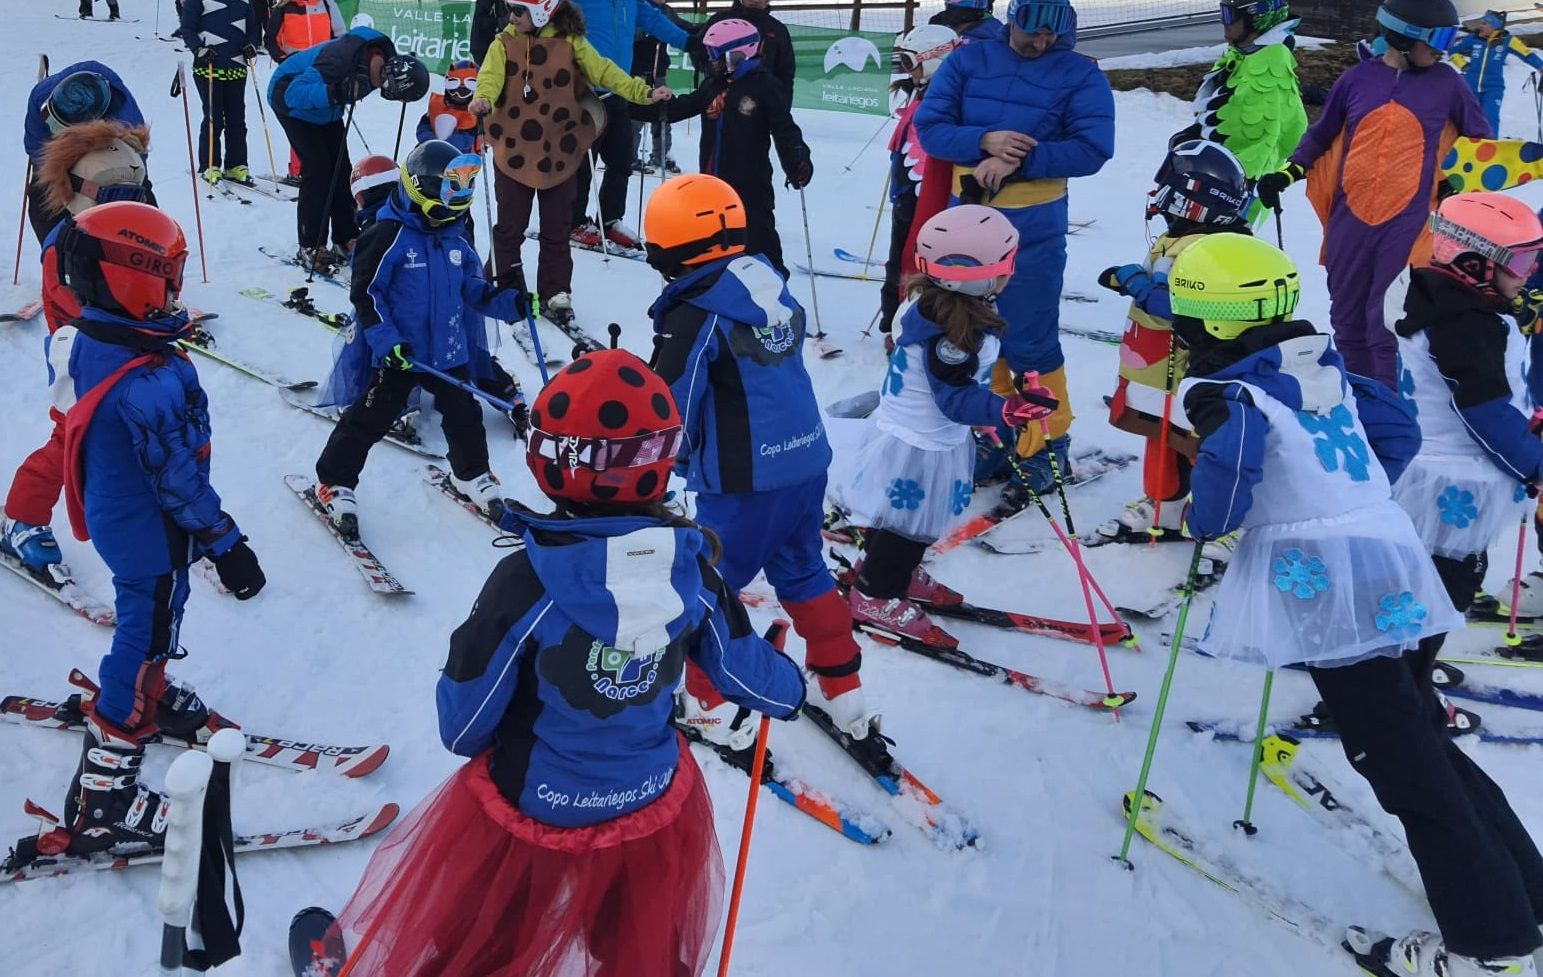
pixel 136 477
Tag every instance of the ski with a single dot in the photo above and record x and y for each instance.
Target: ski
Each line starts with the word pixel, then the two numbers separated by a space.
pixel 915 802
pixel 440 479
pixel 1237 732
pixel 610 250
pixel 1283 765
pixel 289 259
pixel 220 188
pixel 203 344
pixel 1096 335
pixel 804 269
pixel 1170 835
pixel 842 818
pixel 315 944
pixel 101 20
pixel 1089 468
pixel 402 434
pixel 65 591
pixel 26 313
pixel 254 187
pixel 374 572
pixel 1112 632
pixel 300 301
pixel 273 751
pixel 571 328
pixel 1455 684
pixel 26 861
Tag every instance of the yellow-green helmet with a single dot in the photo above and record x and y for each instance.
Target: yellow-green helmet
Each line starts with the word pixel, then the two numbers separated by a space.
pixel 1232 283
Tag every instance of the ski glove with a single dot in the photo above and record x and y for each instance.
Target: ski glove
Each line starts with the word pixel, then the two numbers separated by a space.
pixel 239 571
pixel 249 53
pixel 1125 279
pixel 351 89
pixel 1035 403
pixel 1272 185
pixel 802 173
pixel 398 357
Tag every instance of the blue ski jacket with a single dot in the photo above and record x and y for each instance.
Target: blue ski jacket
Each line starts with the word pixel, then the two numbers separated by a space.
pixel 566 667
pixel 610 26
pixel 731 341
pixel 953 374
pixel 1483 62
pixel 122 108
pixel 304 86
pixel 144 460
pixel 225 27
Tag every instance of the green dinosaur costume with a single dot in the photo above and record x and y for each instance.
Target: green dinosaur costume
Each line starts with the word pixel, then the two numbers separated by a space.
pixel 1250 101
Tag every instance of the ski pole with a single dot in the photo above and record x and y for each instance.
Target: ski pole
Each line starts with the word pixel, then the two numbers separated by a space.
pixel 1246 821
pixel 21 228
pixel 594 187
pixel 882 126
pixel 1280 237
pixel 1162 705
pixel 186 782
pixel 179 86
pixel 1512 639
pixel 263 115
pixel 814 293
pixel 401 121
pixel 360 133
pixel 487 205
pixel 209 115
pixel 332 188
pixel 1153 532
pixel 470 388
pixel 877 220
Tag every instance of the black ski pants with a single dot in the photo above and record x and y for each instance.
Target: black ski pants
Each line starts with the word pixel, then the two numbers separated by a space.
pixel 889 559
pixel 322 148
pixel 224 125
pixel 86 8
pixel 901 216
pixel 614 147
pixel 368 420
pixel 1482 872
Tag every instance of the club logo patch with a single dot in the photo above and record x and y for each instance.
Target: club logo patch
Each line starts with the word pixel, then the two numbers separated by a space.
pixel 603 680
pixel 951 354
pixel 747 106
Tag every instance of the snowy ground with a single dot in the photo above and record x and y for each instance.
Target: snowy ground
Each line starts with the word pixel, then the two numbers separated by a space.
pixel 317 656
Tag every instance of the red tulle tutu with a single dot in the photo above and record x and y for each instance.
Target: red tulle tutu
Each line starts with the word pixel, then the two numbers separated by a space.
pixel 467 886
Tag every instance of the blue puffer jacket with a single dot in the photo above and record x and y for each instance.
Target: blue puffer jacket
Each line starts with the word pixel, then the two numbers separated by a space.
pixel 122 108
pixel 566 666
pixel 302 86
pixel 989 29
pixel 225 27
pixel 732 353
pixel 611 25
pixel 417 284
pixel 145 458
pixel 1060 98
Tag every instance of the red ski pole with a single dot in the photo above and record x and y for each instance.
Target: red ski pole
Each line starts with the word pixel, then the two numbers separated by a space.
pixel 179 87
pixel 21 229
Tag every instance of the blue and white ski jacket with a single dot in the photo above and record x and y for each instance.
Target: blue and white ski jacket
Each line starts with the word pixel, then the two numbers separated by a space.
pixel 122 107
pixel 933 391
pixel 731 349
pixel 567 666
pixel 225 27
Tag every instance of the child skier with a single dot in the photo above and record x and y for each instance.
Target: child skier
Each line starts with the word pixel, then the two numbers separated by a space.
pixel 581 825
pixel 1481 57
pixel 1250 101
pixel 417 292
pixel 136 470
pixel 449 116
pixel 729 340
pixel 915 475
pixel 223 34
pixel 535 80
pixel 85 165
pixel 1332 574
pixel 744 112
pixel 372 182
pixel 918 52
pixel 1201 189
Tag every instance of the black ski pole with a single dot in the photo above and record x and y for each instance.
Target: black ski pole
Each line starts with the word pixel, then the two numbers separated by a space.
pixel 400 122
pixel 1280 237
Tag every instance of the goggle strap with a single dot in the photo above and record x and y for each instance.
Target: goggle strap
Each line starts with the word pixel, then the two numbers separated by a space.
pixel 607 454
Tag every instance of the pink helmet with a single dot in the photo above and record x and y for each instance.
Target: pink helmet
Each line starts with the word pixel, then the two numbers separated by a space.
pixel 1474 233
pixel 730 38
pixel 966 248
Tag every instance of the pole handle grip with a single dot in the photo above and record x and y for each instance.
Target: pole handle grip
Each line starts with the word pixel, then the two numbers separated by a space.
pixel 186 783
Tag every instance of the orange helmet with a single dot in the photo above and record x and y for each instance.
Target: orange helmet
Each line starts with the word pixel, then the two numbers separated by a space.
pixel 693 219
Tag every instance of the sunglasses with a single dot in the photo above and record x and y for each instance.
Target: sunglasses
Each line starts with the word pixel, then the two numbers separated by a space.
pixel 460 180
pixel 603 454
pixel 1031 17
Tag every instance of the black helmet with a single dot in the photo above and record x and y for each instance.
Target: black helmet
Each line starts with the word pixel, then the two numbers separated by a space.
pixel 1406 22
pixel 439 180
pixel 83 96
pixel 404 79
pixel 1202 182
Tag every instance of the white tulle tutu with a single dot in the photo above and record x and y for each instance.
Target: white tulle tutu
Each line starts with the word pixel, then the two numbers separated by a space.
pixel 1459 505
pixel 915 492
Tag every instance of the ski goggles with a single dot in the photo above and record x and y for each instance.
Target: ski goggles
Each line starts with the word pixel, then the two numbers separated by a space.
pixel 1520 260
pixel 460 181
pixel 735 53
pixel 1439 38
pixel 107 193
pixel 462 85
pixel 1234 12
pixel 606 454
pixel 908 61
pixel 1036 15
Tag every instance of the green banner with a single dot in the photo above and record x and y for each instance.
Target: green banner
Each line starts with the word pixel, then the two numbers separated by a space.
pixel 842 70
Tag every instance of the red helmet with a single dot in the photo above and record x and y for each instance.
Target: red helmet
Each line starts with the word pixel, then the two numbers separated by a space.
pixel 605 430
pixel 125 258
pixel 369 173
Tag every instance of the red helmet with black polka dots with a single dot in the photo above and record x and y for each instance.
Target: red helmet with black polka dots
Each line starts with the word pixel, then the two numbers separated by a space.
pixel 604 430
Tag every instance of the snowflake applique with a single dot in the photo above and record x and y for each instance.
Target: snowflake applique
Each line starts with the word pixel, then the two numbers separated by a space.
pixel 1457 507
pixel 963 490
pixel 1400 616
pixel 1521 492
pixel 894 377
pixel 905 493
pixel 1406 387
pixel 1337 443
pixel 1302 576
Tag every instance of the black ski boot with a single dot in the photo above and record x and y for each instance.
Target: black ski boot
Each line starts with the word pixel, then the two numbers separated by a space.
pixel 107 806
pixel 181 714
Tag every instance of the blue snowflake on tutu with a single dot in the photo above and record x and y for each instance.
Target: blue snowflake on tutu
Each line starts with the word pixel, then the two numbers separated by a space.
pixel 1337 443
pixel 904 493
pixel 1400 616
pixel 1303 577
pixel 1521 492
pixel 894 377
pixel 1406 387
pixel 1457 508
pixel 963 490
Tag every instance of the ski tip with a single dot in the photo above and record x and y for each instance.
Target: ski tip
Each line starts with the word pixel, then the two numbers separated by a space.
pixel 364 763
pixel 383 817
pixel 1118 700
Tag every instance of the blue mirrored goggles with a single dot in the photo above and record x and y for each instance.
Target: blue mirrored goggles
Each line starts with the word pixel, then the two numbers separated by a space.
pixel 1233 12
pixel 1440 38
pixel 460 180
pixel 120 191
pixel 1033 16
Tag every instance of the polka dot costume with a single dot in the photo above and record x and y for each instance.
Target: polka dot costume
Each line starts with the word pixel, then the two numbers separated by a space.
pixel 544 121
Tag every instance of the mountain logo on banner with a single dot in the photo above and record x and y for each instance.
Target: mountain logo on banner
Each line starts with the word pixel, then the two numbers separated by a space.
pixel 853 53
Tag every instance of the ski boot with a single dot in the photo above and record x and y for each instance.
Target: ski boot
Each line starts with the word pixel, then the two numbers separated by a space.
pixel 586 235
pixel 671 167
pixel 1424 955
pixel 841 698
pixel 899 617
pixel 558 309
pixel 341 508
pixel 1140 518
pixel 725 724
pixel 483 492
pixel 1219 551
pixel 1459 721
pixel 181 714
pixel 108 807
pixel 290 180
pixel 1017 494
pixel 35 548
pixel 238 174
pixel 925 590
pixel 638 166
pixel 622 236
pixel 323 261
pixel 113 13
pixel 1529 603
pixel 212 175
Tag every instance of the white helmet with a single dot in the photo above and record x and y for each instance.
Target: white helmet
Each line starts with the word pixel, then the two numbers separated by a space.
pixel 926 45
pixel 540 10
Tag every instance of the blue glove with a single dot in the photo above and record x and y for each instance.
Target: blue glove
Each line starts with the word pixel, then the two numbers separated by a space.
pixel 1125 279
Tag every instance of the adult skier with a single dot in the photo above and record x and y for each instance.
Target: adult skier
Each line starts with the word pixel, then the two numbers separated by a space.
pixel 1481 56
pixel 223 35
pixel 292 26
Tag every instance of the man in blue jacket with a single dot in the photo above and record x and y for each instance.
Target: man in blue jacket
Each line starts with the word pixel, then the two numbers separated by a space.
pixel 611 27
pixel 1017 115
pixel 82 92
pixel 224 35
